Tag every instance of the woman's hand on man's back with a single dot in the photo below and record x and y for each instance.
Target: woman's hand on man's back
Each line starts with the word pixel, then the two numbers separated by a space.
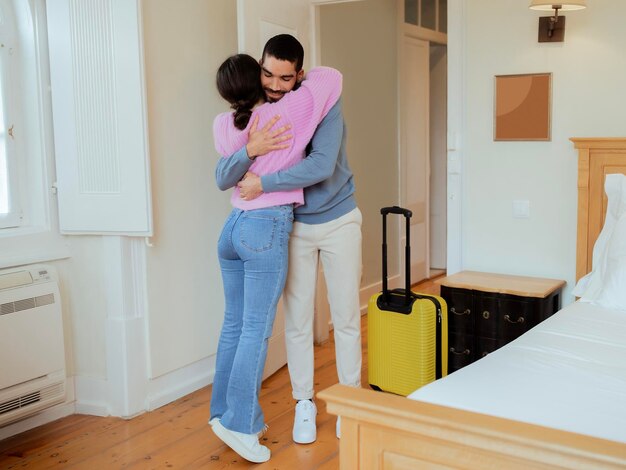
pixel 264 140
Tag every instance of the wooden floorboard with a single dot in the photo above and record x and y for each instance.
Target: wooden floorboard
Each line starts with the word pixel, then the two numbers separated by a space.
pixel 177 435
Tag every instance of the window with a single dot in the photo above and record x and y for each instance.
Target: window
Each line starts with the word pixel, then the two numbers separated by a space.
pixel 428 14
pixel 28 214
pixel 10 212
pixel 4 165
pixel 57 52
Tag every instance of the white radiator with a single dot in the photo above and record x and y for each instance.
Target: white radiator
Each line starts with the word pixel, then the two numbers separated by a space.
pixel 32 357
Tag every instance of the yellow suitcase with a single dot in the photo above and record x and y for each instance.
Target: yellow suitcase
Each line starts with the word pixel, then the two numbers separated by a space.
pixel 407 332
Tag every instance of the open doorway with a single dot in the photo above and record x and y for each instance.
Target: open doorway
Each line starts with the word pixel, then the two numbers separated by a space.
pixel 422 52
pixel 438 158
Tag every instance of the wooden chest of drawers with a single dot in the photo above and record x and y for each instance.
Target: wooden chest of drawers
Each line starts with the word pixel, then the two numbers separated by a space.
pixel 486 311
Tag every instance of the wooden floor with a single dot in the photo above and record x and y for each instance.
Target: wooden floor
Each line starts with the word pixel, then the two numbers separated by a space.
pixel 178 436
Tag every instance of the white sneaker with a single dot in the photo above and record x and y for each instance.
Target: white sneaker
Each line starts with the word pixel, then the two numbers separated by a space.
pixel 338 427
pixel 304 427
pixel 260 434
pixel 246 445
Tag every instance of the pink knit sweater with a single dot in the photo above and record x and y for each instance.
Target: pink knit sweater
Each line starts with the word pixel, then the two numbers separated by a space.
pixel 304 109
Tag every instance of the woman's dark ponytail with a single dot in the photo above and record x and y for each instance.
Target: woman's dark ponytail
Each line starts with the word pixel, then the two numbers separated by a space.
pixel 243 112
pixel 239 82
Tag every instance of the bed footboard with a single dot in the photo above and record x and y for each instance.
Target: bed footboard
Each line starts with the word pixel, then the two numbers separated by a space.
pixel 383 431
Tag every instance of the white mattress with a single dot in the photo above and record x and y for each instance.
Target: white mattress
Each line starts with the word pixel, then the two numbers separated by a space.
pixel 569 373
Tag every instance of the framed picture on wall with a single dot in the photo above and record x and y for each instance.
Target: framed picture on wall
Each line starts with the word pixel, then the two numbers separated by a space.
pixel 522 106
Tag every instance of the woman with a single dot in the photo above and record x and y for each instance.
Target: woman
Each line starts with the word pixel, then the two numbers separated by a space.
pixel 253 246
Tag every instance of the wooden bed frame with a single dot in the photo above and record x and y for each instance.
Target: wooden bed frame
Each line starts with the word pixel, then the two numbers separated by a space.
pixel 596 159
pixel 384 431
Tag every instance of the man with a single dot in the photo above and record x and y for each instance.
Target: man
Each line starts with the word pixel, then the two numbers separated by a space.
pixel 328 225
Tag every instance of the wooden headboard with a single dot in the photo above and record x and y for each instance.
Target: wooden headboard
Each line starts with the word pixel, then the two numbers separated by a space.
pixel 597 157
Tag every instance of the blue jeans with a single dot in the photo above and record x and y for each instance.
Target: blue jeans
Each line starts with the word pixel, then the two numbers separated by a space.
pixel 253 251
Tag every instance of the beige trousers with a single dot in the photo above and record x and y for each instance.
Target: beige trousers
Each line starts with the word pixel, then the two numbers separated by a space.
pixel 338 245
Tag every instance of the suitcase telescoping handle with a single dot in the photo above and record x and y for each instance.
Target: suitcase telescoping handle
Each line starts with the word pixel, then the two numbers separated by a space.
pixel 407 250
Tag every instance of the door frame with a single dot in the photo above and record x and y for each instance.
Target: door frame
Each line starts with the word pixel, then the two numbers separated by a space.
pixel 457 123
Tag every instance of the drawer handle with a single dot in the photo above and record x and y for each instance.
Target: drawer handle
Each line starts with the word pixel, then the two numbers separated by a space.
pixel 462 353
pixel 486 315
pixel 519 320
pixel 467 311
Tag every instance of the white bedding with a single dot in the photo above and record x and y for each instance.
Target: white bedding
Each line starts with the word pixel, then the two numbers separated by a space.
pixel 569 373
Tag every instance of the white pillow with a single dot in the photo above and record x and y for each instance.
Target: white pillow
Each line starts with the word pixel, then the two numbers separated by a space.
pixel 613 291
pixel 589 287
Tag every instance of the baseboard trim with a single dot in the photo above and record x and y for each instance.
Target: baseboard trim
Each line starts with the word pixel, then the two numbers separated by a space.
pixel 92 396
pixel 174 385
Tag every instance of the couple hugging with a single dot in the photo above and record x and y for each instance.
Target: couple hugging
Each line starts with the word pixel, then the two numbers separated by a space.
pixel 283 153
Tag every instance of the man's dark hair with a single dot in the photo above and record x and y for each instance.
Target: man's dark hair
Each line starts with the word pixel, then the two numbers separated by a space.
pixel 238 83
pixel 285 47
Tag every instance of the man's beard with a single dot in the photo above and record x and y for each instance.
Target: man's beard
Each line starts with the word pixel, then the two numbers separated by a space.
pixel 271 99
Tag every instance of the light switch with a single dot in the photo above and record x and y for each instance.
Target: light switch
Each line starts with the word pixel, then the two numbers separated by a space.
pixel 521 209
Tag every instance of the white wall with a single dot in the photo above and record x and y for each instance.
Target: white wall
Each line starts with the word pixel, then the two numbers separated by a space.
pixel 360 40
pixel 588 100
pixel 184 45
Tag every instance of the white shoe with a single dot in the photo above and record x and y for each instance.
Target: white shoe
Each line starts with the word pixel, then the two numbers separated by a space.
pixel 304 427
pixel 246 445
pixel 260 434
pixel 338 427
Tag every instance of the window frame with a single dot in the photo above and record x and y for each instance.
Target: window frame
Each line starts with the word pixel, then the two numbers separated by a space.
pixel 37 237
pixel 416 30
pixel 10 111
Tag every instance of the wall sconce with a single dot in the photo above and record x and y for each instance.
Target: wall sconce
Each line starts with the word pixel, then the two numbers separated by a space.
pixel 552 28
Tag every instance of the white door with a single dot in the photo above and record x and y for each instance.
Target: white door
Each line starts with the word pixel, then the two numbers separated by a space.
pixel 257 21
pixel 414 149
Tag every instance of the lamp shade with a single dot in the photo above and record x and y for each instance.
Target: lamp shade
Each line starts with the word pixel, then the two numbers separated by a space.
pixel 563 6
